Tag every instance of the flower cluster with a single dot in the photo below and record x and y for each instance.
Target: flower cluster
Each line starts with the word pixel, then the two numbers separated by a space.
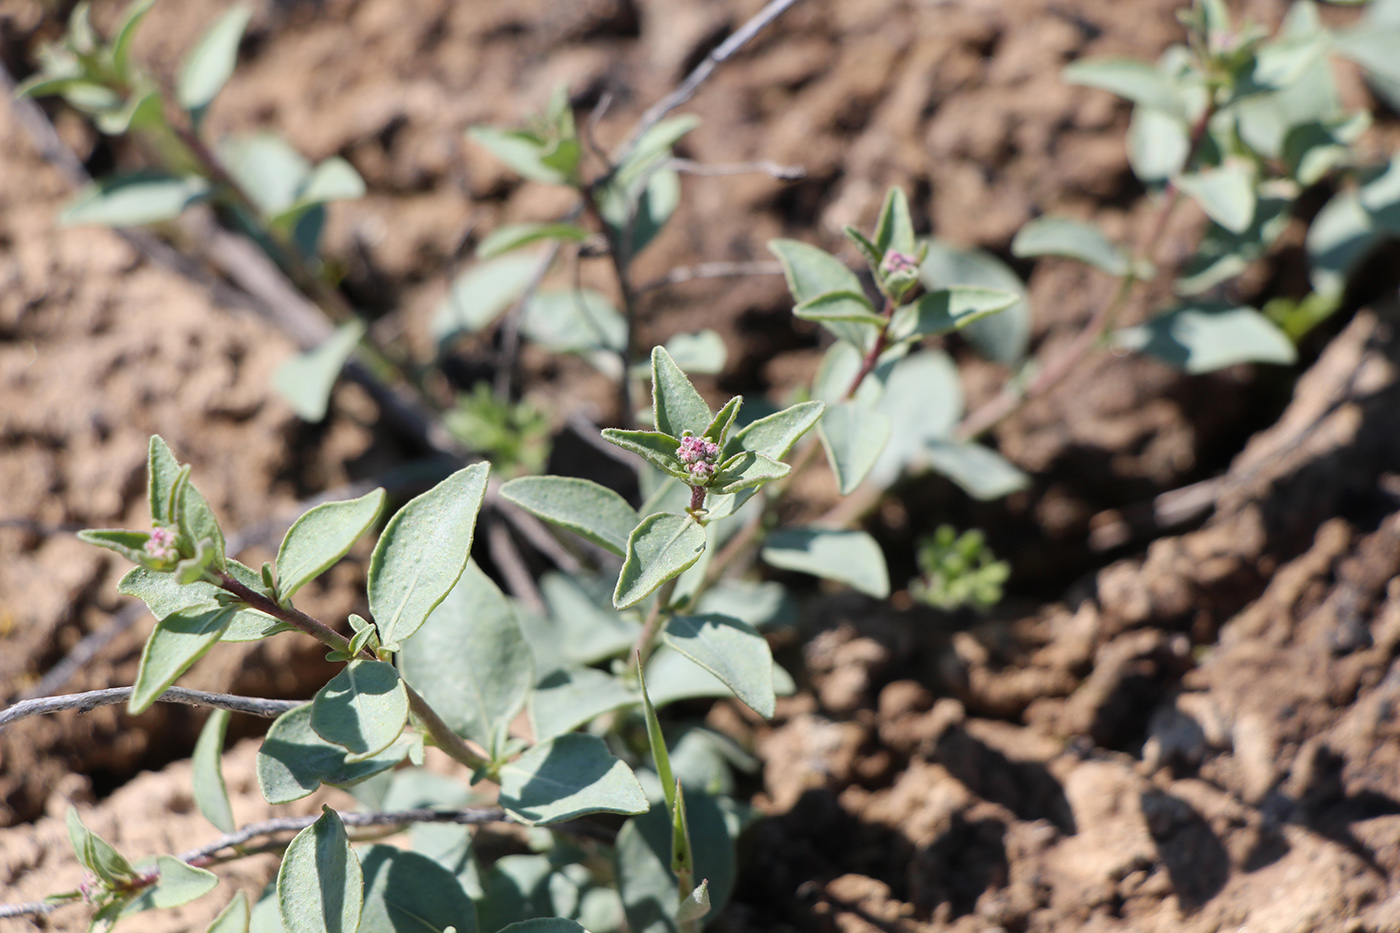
pixel 897 263
pixel 163 545
pixel 699 456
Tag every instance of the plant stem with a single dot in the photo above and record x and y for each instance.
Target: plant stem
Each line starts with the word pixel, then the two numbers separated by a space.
pixel 1012 397
pixel 646 641
pixel 92 699
pixel 449 741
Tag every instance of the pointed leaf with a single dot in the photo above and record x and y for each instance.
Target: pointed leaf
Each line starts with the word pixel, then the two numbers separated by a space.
pixel 946 310
pixel 660 756
pixel 305 381
pixel 568 776
pixel 1204 337
pixel 565 700
pixel 362 709
pixel 659 548
pixel 718 430
pixel 523 152
pixel 582 506
pixel 210 793
pixel 839 306
pixel 811 272
pixel 515 236
pixel 133 200
pixel 294 760
pixel 129 544
pixel 853 436
pixel 197 522
pixel 676 406
pixel 423 551
pixel 1137 81
pixel 745 470
pixel 774 435
pixel 320 887
pixel 492 670
pixel 660 450
pixel 575 320
pixel 164 595
pixel 1001 337
pixel 322 536
pixel 332 180
pixel 1226 194
pixel 162 470
pixel 981 472
pixel 643 853
pixel 233 918
pixel 1158 145
pixel 850 557
pixel 696 904
pixel 211 62
pixel 178 640
pixel 731 650
pixel 675 677
pixel 96 854
pixel 1076 239
pixel 482 294
pixel 410 893
pixel 894 230
pixel 179 883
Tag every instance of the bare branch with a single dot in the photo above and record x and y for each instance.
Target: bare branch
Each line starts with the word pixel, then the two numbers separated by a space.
pixel 780 172
pixel 512 566
pixel 713 270
pixel 87 702
pixel 31 909
pixel 701 73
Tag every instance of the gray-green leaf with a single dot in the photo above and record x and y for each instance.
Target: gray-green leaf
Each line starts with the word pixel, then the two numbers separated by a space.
pixel 643 853
pixel 490 669
pixel 233 918
pixel 210 63
pixel 210 793
pixel 582 506
pixel 294 760
pixel 676 406
pixel 405 892
pixel 422 552
pixel 774 435
pixel 948 309
pixel 362 709
pixel 320 886
pixel 482 294
pixel 178 640
pixel 322 536
pixel 839 306
pixel 305 381
pixel 568 776
pixel 731 650
pixel 745 470
pixel 566 699
pixel 1203 337
pixel 982 473
pixel 1226 194
pixel 1076 239
pixel 1137 81
pixel 811 272
pixel 659 548
pixel 850 557
pixel 515 236
pixel 179 883
pixel 133 200
pixel 1001 337
pixel 853 436
pixel 894 230
pixel 162 470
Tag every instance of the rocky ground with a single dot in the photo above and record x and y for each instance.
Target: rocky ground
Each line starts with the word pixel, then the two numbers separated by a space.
pixel 1193 730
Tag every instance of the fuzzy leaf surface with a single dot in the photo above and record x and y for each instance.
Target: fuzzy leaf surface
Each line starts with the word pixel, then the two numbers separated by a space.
pixel 849 557
pixel 661 547
pixel 362 709
pixel 580 505
pixel 568 776
pixel 320 886
pixel 322 536
pixel 210 792
pixel 731 650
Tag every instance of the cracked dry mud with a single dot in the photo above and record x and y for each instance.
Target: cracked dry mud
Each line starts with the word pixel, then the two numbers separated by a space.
pixel 1199 734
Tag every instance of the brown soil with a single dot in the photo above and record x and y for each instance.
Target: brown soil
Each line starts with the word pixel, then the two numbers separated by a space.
pixel 1198 735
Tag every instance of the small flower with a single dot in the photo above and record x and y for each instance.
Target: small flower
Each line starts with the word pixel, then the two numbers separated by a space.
pixel 699 455
pixel 163 545
pixel 897 263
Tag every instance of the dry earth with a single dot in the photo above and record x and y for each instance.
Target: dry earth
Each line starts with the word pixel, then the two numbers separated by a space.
pixel 1197 735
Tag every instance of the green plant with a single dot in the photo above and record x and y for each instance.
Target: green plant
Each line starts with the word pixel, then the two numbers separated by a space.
pixel 958 570
pixel 513 436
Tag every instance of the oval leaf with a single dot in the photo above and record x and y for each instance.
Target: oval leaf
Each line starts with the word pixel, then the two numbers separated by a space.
pixel 731 650
pixel 482 294
pixel 812 272
pixel 492 669
pixel 133 200
pixel 405 892
pixel 982 473
pixel 1226 195
pixel 661 547
pixel 178 640
pixel 514 236
pixel 210 64
pixel 362 709
pixel 209 790
pixel 179 883
pixel 320 887
pixel 1075 239
pixel 568 776
pixel 1205 337
pixel 423 551
pixel 305 381
pixel 849 557
pixel 853 436
pixel 582 506
pixel 233 918
pixel 322 536
pixel 1137 81
pixel 294 760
